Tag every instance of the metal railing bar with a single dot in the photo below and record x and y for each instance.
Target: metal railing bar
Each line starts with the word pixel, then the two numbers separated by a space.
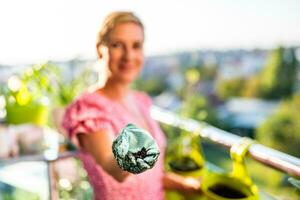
pixel 266 155
pixel 39 157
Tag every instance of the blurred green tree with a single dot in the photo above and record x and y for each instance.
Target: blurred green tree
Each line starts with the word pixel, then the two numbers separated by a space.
pixel 153 86
pixel 208 72
pixel 197 107
pixel 282 130
pixel 194 104
pixel 227 88
pixel 252 87
pixel 278 77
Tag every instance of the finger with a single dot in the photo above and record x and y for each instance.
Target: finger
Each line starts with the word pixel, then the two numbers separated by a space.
pixel 131 158
pixel 153 152
pixel 143 164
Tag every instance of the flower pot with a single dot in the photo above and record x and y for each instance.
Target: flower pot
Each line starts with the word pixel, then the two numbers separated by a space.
pixel 218 186
pixel 234 185
pixel 35 113
pixel 185 159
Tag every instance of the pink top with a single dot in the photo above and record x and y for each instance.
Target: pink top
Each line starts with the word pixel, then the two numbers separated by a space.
pixel 92 112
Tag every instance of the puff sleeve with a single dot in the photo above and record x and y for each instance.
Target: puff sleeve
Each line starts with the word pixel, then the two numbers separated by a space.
pixel 87 115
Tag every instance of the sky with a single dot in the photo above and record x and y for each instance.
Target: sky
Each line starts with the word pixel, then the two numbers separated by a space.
pixel 35 31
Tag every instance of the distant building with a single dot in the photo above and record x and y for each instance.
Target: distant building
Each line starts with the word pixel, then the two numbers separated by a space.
pixel 167 101
pixel 243 115
pixel 242 65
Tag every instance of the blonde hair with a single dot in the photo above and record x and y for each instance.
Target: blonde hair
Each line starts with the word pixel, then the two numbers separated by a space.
pixel 111 21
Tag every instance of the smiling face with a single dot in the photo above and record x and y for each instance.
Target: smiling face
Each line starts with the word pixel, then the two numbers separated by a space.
pixel 123 52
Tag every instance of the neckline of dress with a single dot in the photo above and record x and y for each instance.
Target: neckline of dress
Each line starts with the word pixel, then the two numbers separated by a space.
pixel 134 95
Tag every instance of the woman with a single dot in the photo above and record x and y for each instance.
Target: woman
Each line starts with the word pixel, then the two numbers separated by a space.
pixel 96 118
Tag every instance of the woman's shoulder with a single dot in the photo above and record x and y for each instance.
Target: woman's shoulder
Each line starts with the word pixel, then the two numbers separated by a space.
pixel 88 113
pixel 89 103
pixel 92 98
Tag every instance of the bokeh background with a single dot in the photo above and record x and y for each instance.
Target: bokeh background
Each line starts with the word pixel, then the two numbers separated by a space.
pixel 232 64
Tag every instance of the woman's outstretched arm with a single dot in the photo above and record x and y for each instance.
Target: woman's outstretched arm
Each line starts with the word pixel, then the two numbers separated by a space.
pixel 99 145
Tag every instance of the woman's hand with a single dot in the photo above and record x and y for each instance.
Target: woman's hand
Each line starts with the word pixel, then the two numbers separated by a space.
pixel 187 185
pixel 135 149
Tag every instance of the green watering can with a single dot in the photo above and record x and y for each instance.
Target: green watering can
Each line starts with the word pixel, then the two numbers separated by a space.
pixel 235 185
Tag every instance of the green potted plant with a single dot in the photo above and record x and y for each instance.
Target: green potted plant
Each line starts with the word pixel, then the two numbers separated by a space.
pixel 68 88
pixel 27 95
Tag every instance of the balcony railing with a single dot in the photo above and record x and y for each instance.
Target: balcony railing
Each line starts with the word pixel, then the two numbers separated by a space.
pixel 268 156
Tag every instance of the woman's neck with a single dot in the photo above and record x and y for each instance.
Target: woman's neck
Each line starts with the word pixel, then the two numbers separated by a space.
pixel 116 90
